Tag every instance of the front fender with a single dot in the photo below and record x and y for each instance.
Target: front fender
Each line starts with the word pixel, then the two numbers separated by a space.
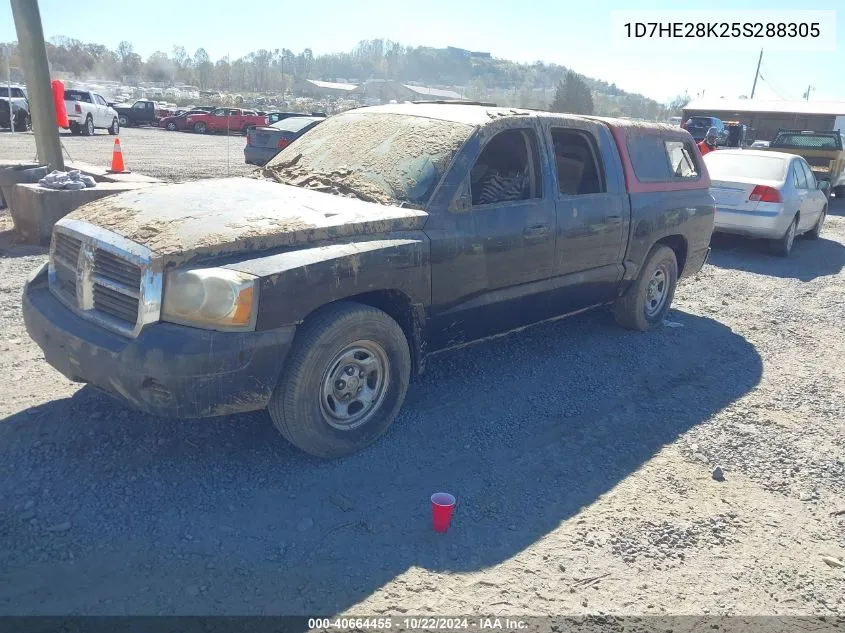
pixel 294 283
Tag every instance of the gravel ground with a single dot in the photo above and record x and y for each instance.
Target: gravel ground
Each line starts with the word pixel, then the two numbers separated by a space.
pixel 581 456
pixel 171 156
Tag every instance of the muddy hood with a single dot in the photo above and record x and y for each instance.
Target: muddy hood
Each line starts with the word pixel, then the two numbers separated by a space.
pixel 232 215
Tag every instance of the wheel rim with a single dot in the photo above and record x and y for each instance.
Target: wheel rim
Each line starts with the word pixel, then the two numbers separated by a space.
pixel 122 120
pixel 354 385
pixel 790 235
pixel 658 290
pixel 171 126
pixel 116 126
pixel 90 125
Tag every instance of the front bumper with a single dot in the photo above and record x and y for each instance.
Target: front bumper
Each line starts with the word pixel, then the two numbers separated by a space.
pixel 169 370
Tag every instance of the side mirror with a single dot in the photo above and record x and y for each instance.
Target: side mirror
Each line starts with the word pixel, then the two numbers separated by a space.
pixel 824 185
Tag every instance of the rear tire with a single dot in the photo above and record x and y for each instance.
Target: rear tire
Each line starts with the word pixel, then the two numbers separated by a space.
pixel 344 381
pixel 88 127
pixel 783 246
pixel 816 232
pixel 648 300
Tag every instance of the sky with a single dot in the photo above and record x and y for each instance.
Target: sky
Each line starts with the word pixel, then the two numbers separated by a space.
pixel 574 34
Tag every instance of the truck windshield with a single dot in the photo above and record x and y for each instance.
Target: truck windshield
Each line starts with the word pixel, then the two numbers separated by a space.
pixel 379 157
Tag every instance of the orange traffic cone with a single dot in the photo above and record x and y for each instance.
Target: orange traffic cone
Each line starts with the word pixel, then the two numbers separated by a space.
pixel 117 166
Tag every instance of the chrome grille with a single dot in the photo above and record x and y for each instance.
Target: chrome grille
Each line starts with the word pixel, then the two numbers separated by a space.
pixel 116 269
pixel 115 303
pixel 67 249
pixel 104 277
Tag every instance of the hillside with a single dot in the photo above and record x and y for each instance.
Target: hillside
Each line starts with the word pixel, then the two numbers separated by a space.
pixel 474 75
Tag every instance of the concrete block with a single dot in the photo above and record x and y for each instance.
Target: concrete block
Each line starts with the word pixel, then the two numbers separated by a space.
pixel 36 209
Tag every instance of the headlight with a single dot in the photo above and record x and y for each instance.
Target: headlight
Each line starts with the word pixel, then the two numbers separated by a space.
pixel 211 298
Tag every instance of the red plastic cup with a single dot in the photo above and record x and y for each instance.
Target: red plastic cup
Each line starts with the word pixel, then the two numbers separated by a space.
pixel 442 506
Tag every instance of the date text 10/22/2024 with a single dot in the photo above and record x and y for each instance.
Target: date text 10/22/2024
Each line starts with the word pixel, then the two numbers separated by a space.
pixel 418 623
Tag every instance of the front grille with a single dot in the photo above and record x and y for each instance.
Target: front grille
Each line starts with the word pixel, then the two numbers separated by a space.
pixel 115 269
pixel 104 277
pixel 67 248
pixel 116 304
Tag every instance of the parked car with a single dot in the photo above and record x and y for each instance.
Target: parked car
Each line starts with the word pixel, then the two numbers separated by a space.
pixel 385 234
pixel 697 126
pixel 824 151
pixel 759 145
pixel 275 117
pixel 14 107
pixel 224 119
pixel 88 111
pixel 766 194
pixel 142 112
pixel 177 122
pixel 264 142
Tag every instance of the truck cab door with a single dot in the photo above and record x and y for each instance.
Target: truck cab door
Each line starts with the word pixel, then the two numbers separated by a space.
pixel 592 210
pixel 492 235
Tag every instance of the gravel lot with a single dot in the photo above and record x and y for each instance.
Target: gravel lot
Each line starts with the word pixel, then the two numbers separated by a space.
pixel 581 456
pixel 171 156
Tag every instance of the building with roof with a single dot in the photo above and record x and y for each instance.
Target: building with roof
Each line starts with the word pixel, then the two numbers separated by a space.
pixel 765 118
pixel 386 90
pixel 321 89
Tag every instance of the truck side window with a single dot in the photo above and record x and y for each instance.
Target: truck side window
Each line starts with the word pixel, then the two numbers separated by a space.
pixel 507 170
pixel 648 157
pixel 578 172
pixel 139 106
pixel 681 159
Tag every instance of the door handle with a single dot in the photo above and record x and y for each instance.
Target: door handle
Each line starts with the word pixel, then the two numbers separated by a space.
pixel 536 230
pixel 613 219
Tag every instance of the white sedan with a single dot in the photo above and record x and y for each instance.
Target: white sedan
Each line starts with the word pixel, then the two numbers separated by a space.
pixel 765 194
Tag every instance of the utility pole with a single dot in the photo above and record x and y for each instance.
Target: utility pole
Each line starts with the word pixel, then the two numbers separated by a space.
pixel 36 72
pixel 757 74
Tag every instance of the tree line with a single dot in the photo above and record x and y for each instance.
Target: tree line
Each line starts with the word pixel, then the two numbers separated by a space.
pixel 266 71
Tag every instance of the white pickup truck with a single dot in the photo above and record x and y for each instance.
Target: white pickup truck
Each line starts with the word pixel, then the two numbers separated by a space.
pixel 88 111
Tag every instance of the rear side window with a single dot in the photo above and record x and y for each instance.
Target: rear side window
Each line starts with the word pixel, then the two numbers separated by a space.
pixel 681 159
pixel 578 172
pixel 657 160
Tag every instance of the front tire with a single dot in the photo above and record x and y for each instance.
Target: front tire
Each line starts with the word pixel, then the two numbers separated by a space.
pixel 646 303
pixel 114 129
pixel 124 121
pixel 171 126
pixel 344 382
pixel 783 246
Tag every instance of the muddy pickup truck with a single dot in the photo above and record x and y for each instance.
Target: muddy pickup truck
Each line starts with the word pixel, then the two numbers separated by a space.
pixel 319 287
